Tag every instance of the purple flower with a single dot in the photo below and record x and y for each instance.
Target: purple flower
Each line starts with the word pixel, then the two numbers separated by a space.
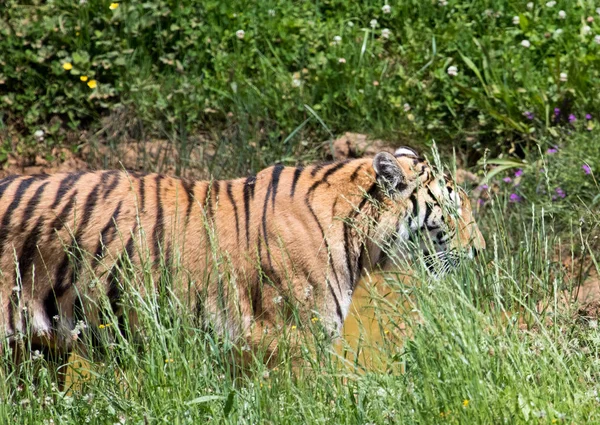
pixel 514 198
pixel 572 118
pixel 519 172
pixel 542 170
pixel 551 151
pixel 480 202
pixel 484 187
pixel 556 112
pixel 586 169
pixel 506 179
pixel 561 193
pixel 528 115
pixel 588 116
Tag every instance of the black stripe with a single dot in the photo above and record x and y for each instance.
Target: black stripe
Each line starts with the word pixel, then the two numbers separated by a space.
pixel 88 209
pixel 333 170
pixel 29 250
pixel 188 186
pixel 264 222
pixel 5 183
pixel 318 167
pixel 60 286
pixel 64 186
pixel 235 210
pixel 216 185
pixel 17 196
pixel 326 175
pixel 114 291
pixel 116 175
pixel 208 203
pixel 107 233
pixel 56 290
pixel 354 174
pixel 76 249
pixel 249 186
pixel 62 217
pixel 31 205
pixel 297 173
pixel 159 226
pixel 142 194
pixel 275 181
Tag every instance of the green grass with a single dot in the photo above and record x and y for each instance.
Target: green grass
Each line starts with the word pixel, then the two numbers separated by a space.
pixel 173 69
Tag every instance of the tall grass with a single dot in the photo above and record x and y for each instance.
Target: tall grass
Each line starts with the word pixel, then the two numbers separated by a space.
pixel 490 342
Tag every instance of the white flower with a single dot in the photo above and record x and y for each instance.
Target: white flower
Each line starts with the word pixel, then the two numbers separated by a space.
pixel 278 299
pixel 597 39
pixel 526 44
pixel 385 33
pixel 551 4
pixel 82 1
pixel 240 34
pixel 516 20
pixel 563 76
pixel 271 12
pixel 337 40
pixel 296 82
pixel 452 71
pixel 350 24
pixel 373 23
pixel 558 32
pixel 342 60
pixel 590 19
pixel 443 3
pixel 386 8
pixel 530 5
pixel 586 29
pixel 406 106
pixel 598 10
pixel 562 14
pixel 38 134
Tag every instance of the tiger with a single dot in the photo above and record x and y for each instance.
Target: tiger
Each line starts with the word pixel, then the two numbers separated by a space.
pixel 249 246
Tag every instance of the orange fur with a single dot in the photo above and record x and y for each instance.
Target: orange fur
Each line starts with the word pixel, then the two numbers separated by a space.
pixel 249 248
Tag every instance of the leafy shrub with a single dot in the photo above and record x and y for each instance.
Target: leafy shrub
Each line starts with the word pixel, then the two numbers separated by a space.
pixel 184 66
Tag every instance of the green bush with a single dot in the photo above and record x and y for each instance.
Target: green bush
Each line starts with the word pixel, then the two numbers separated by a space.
pixel 182 66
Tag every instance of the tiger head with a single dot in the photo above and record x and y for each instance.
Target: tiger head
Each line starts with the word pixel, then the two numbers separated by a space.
pixel 424 208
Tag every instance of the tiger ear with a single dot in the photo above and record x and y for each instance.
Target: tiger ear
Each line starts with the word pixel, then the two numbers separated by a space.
pixel 388 171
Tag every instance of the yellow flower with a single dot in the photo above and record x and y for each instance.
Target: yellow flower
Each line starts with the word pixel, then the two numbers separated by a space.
pixel 67 66
pixel 104 326
pixel 83 78
pixel 92 84
pixel 113 6
pixel 315 319
pixel 169 360
pixel 465 403
pixel 293 327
